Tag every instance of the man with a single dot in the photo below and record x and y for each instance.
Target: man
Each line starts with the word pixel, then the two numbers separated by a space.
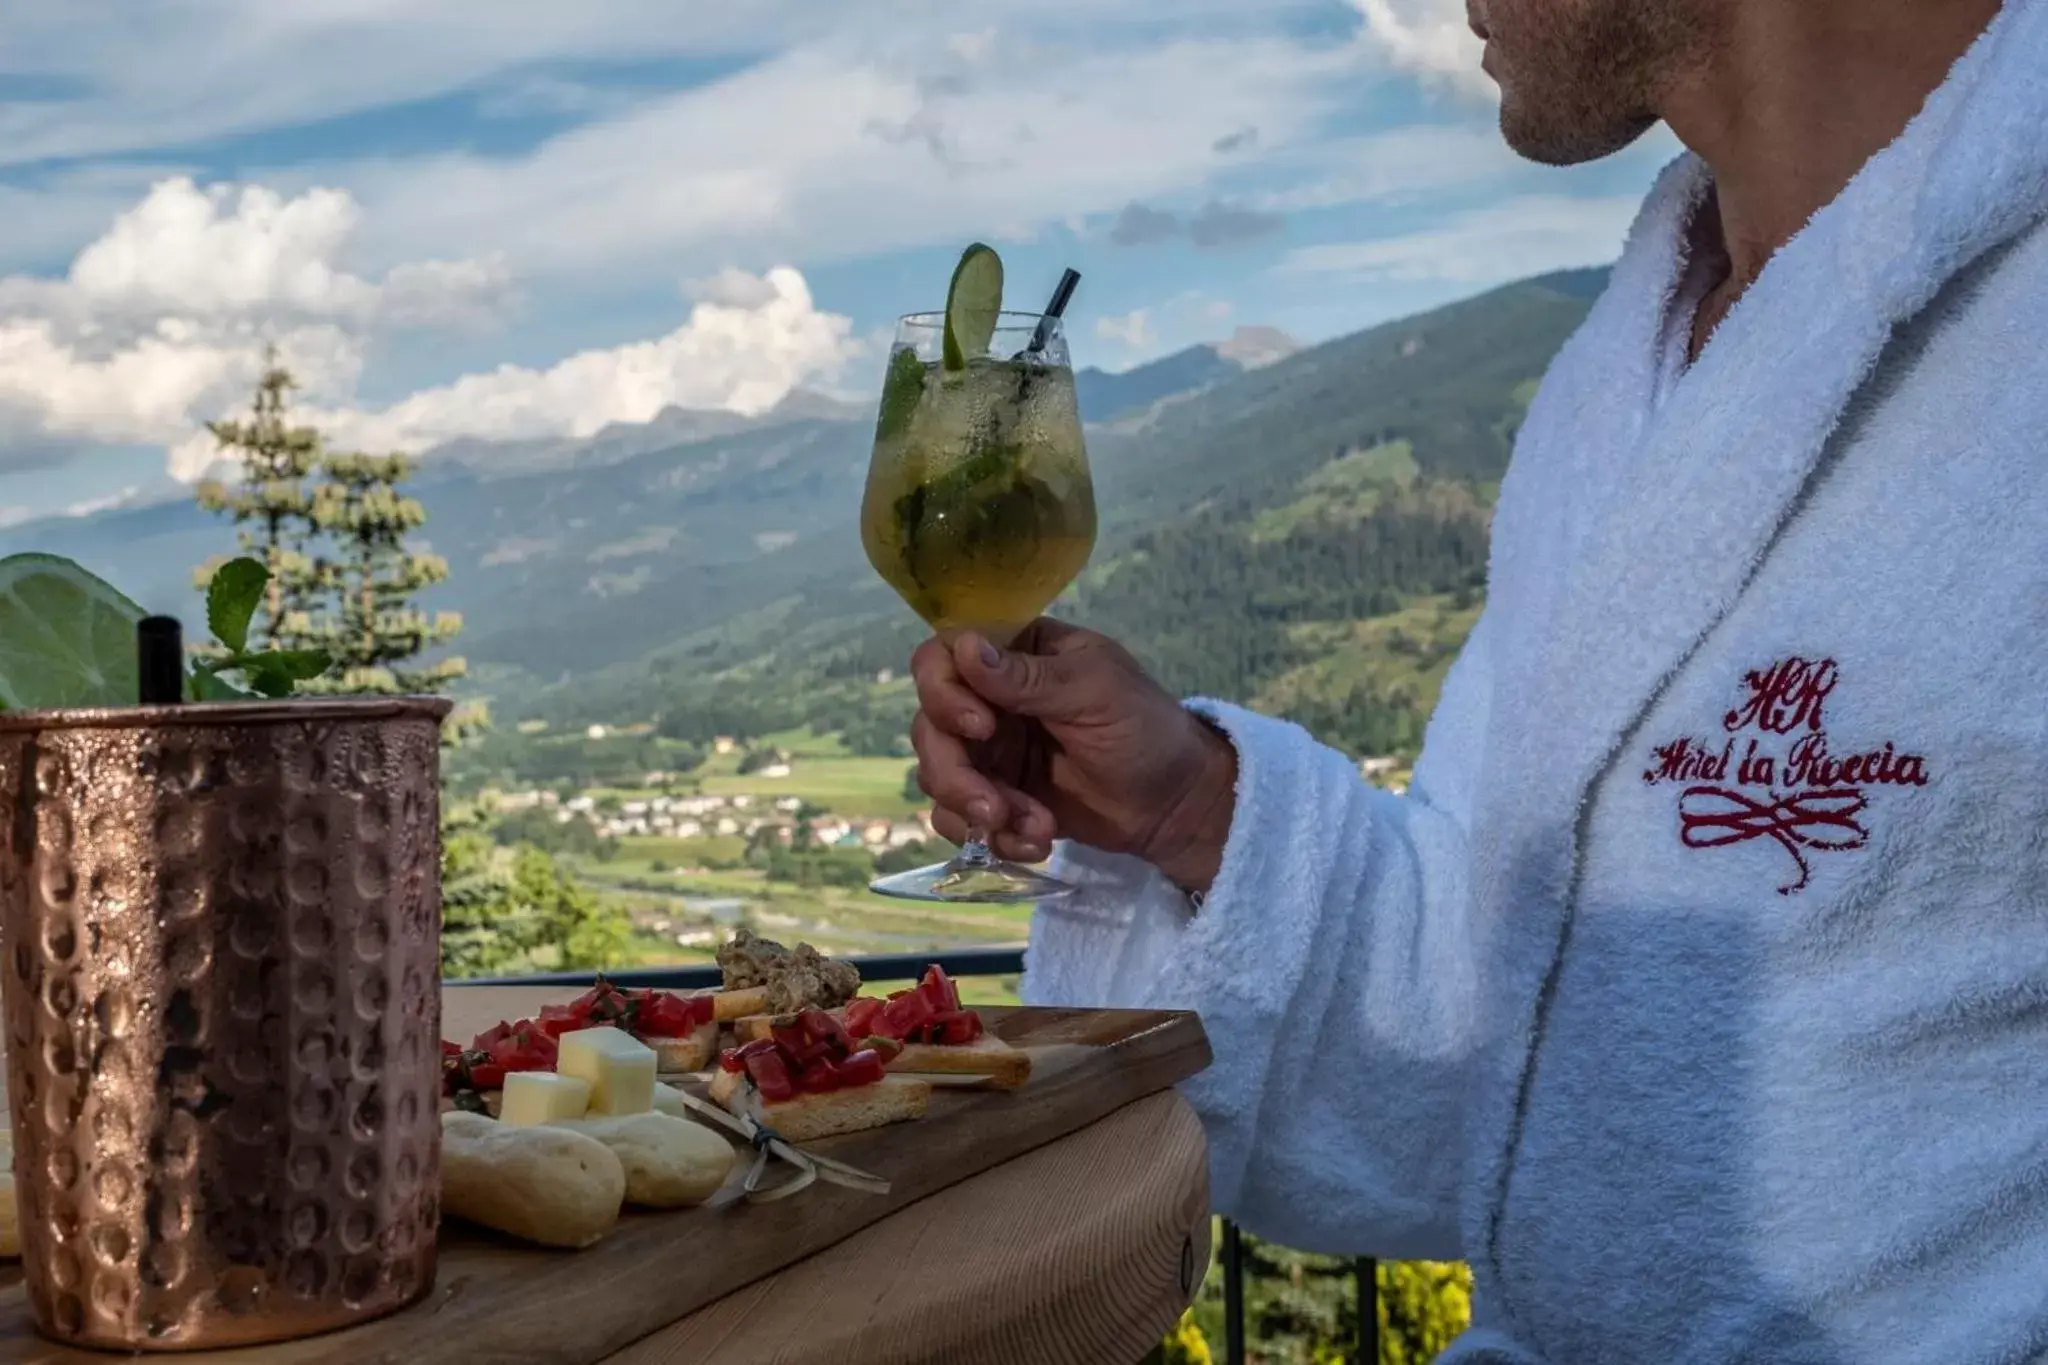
pixel 1697 992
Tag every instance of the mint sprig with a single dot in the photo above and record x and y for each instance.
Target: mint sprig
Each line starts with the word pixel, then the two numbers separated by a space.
pixel 231 600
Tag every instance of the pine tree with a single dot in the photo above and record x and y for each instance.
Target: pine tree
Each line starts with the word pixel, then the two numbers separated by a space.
pixel 271 505
pixel 368 577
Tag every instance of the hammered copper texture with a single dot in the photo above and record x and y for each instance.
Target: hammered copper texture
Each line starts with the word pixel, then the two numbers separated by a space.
pixel 221 930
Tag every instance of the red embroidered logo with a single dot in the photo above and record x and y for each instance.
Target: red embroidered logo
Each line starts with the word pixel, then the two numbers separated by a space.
pixel 1786 785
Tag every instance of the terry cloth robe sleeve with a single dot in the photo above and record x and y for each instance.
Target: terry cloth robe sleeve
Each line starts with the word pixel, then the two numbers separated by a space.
pixel 1334 964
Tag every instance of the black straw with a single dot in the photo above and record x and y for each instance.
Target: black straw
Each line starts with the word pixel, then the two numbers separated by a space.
pixel 160 659
pixel 1062 295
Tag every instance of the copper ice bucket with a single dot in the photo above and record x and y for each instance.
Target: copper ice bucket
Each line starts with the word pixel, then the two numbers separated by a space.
pixel 221 929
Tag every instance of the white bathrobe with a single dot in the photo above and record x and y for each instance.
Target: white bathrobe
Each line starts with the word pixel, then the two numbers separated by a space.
pixel 1697 992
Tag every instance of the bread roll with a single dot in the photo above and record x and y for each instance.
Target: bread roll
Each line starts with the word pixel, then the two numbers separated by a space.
pixel 543 1184
pixel 670 1163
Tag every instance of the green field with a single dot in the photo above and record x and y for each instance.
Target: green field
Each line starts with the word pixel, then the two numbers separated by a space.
pixel 654 881
pixel 833 781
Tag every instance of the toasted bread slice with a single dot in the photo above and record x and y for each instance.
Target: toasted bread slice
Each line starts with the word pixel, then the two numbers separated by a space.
pixel 805 1118
pixel 728 1005
pixel 691 1052
pixel 752 1028
pixel 1003 1066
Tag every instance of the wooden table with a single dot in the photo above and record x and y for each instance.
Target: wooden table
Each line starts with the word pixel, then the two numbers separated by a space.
pixel 1083 1252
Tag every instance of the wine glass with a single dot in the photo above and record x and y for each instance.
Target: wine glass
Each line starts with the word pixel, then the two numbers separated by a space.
pixel 979 512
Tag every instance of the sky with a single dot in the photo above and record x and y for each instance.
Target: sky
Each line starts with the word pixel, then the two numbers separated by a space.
pixel 524 218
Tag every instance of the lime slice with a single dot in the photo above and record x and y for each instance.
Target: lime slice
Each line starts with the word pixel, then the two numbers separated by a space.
pixel 973 302
pixel 66 637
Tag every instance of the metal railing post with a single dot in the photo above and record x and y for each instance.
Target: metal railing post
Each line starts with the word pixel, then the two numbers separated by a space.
pixel 1368 1310
pixel 1233 1294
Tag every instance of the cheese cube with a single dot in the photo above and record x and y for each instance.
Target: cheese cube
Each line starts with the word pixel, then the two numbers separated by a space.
pixel 619 1067
pixel 537 1097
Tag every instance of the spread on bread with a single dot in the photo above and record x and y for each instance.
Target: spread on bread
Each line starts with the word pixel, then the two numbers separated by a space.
pixel 790 979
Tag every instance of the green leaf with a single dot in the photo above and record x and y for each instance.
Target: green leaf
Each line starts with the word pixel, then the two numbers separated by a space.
pixel 207 685
pixel 278 672
pixel 268 679
pixel 902 390
pixel 231 601
pixel 301 665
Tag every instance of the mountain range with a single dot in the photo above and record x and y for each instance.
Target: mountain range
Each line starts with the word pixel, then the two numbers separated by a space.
pixel 1263 506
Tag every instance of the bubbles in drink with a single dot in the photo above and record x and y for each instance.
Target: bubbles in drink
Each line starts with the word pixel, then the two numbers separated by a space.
pixel 979 506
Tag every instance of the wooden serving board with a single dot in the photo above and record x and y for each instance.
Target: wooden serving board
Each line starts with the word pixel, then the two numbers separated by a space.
pixel 504 1302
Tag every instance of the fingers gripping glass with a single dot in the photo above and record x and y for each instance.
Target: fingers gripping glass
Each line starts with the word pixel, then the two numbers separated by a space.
pixel 979 512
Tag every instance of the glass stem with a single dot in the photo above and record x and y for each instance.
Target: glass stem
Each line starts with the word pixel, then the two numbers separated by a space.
pixel 974 853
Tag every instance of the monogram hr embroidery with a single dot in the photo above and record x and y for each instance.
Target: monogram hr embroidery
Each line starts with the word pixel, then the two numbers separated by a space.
pixel 1785 783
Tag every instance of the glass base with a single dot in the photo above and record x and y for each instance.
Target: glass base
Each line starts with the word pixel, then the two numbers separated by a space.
pixel 974 876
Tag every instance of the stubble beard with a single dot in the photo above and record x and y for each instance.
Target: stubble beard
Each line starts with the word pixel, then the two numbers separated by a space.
pixel 1584 86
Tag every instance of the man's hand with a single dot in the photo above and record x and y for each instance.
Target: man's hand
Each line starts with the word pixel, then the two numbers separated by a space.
pixel 1065 736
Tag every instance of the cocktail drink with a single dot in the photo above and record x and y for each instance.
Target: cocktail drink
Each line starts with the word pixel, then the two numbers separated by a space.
pixel 980 510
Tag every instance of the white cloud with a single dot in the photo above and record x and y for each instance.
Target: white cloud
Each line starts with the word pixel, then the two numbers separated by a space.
pixel 1505 241
pixel 166 312
pixel 88 506
pixel 844 149
pixel 1185 319
pixel 160 323
pixel 228 252
pixel 743 351
pixel 1132 330
pixel 1432 38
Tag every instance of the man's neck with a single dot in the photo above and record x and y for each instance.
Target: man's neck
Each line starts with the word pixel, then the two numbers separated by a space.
pixel 1793 99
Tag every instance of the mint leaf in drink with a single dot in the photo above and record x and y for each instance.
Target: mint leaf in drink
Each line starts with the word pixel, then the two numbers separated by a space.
pixel 232 599
pixel 902 390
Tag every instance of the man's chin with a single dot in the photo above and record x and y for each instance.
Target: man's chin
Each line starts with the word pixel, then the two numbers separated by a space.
pixel 1556 142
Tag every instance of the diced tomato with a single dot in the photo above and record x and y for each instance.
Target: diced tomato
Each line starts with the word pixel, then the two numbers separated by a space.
pixel 905 1013
pixel 823 1027
pixel 492 1036
pixel 771 1076
pixel 605 1003
pixel 703 1009
pixel 449 1049
pixel 818 1077
pixel 939 989
pixel 556 1020
pixel 862 1068
pixel 861 1014
pixel 661 1015
pixel 730 1060
pixel 487 1076
pixel 524 1047
pixel 755 1048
